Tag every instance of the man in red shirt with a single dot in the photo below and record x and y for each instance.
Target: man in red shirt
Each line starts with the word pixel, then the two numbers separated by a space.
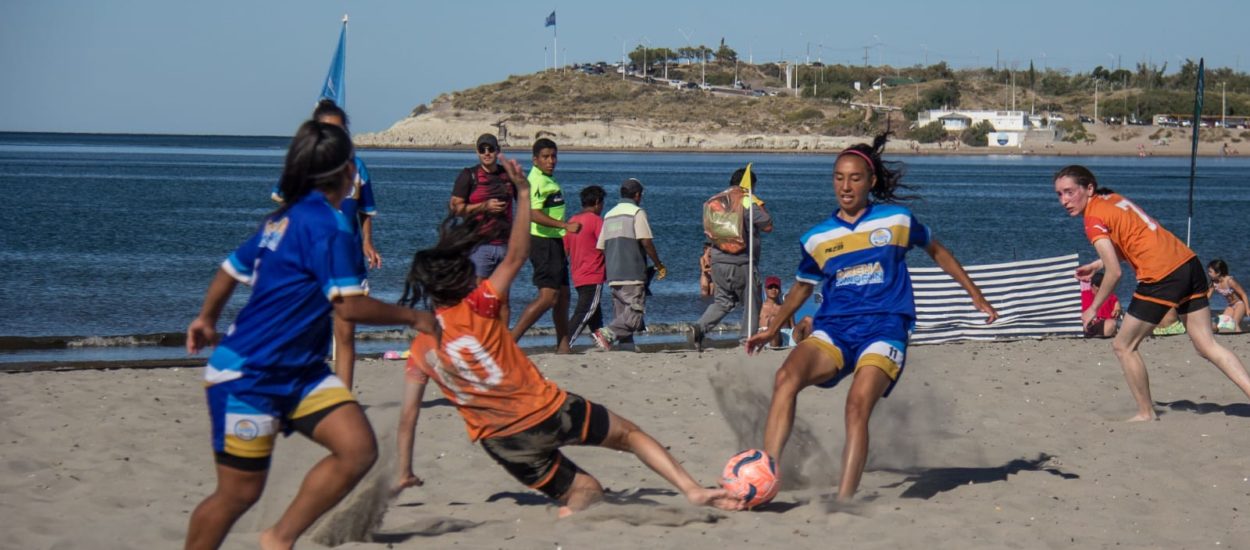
pixel 586 262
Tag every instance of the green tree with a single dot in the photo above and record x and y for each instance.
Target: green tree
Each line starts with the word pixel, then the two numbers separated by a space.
pixel 726 54
pixel 929 133
pixel 976 136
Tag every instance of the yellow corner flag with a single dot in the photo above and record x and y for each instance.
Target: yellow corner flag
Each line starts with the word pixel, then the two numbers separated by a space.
pixel 748 183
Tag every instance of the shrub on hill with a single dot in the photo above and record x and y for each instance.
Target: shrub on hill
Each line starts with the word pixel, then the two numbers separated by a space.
pixel 929 133
pixel 976 136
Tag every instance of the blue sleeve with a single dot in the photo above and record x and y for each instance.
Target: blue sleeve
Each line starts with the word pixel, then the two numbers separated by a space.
pixel 241 264
pixel 338 263
pixel 920 236
pixel 809 271
pixel 367 206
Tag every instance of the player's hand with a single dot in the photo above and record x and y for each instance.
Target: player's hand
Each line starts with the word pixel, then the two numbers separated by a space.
pixel 372 257
pixel 573 227
pixel 1087 317
pixel 984 306
pixel 1085 272
pixel 513 169
pixel 660 272
pixel 200 334
pixel 758 340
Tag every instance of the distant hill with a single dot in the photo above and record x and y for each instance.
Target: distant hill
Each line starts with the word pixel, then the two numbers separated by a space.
pixel 580 109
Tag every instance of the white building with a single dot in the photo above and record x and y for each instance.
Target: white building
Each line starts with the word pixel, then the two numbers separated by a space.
pixel 955 120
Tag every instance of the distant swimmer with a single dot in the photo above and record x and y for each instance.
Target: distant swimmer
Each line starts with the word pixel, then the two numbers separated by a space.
pixel 269 375
pixel 1169 275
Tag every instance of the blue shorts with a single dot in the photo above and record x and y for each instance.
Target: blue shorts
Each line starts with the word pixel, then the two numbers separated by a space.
pixel 248 412
pixel 877 340
pixel 486 257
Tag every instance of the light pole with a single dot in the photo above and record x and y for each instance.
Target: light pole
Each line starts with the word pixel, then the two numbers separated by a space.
pixel 1223 109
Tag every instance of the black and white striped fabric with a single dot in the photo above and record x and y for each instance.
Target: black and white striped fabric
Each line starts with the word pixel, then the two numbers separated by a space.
pixel 1034 299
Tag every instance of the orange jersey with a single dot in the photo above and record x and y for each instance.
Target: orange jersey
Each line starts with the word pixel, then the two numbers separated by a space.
pixel 496 388
pixel 1153 251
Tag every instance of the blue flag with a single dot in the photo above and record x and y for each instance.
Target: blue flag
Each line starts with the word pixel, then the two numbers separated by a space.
pixel 551 19
pixel 335 87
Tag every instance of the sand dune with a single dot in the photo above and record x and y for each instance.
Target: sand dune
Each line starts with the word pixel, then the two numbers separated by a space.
pixel 1006 445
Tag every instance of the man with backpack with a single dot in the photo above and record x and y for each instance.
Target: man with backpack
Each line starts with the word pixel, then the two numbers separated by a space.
pixel 732 221
pixel 484 193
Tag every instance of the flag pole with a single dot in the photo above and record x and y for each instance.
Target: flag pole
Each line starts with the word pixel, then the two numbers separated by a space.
pixel 1193 153
pixel 750 233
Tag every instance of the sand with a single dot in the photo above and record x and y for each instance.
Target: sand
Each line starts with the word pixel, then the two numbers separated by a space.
pixel 986 445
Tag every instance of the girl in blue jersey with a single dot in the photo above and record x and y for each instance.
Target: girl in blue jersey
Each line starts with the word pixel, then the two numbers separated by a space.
pixel 269 372
pixel 862 325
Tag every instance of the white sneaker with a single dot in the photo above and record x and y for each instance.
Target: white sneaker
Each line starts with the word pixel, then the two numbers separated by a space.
pixel 603 338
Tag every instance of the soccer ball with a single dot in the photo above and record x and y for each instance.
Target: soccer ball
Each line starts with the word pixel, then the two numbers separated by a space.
pixel 752 476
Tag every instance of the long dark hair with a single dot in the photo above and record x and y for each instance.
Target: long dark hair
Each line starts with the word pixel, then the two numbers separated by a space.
pixel 443 275
pixel 889 173
pixel 1083 177
pixel 316 159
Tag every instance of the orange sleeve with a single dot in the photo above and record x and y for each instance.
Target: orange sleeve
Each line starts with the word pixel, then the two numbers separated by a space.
pixel 1096 228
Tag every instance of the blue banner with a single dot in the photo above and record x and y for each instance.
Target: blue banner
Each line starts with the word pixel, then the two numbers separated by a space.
pixel 551 19
pixel 335 87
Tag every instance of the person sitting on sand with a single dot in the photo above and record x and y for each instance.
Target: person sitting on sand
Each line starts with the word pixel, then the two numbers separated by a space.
pixel 269 373
pixel 1230 289
pixel 857 255
pixel 771 307
pixel 1169 275
pixel 520 418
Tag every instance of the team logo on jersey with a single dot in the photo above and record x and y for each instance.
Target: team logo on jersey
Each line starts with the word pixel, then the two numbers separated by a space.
pixel 860 275
pixel 246 430
pixel 880 237
pixel 274 230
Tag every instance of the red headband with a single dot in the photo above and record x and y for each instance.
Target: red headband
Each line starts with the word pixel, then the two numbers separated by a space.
pixel 871 167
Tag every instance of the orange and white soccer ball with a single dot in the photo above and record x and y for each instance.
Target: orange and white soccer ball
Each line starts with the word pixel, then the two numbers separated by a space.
pixel 752 476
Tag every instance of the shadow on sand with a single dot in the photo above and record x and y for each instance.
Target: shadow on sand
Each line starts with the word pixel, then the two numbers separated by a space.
pixel 927 482
pixel 1237 409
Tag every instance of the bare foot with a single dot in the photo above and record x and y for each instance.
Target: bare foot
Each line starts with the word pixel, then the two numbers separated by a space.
pixel 1143 417
pixel 269 541
pixel 716 498
pixel 564 350
pixel 405 481
pixel 564 512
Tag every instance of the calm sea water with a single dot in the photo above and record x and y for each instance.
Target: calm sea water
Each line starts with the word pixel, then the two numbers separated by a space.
pixel 107 237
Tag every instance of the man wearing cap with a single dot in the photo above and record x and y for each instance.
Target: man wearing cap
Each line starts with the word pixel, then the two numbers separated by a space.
pixel 626 242
pixel 771 307
pixel 729 270
pixel 483 193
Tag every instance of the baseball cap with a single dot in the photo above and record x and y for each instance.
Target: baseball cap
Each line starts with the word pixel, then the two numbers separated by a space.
pixel 488 139
pixel 630 187
pixel 772 280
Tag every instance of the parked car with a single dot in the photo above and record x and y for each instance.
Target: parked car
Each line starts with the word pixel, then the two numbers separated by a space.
pixel 1086 119
pixel 740 85
pixel 675 83
pixel 705 87
pixel 690 86
pixel 758 93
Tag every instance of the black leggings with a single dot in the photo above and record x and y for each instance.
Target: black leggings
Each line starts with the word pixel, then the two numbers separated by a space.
pixel 587 313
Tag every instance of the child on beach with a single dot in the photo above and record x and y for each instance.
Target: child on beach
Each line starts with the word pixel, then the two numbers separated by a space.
pixel 771 307
pixel 1231 291
pixel 1169 275
pixel 1104 324
pixel 586 263
pixel 269 373
pixel 520 418
pixel 862 325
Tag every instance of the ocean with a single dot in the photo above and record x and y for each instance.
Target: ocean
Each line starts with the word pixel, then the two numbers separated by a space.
pixel 109 241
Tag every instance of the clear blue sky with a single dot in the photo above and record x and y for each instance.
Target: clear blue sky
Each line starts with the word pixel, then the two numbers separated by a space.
pixel 255 67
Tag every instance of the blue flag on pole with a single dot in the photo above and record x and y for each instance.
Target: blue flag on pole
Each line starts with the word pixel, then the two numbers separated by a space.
pixel 551 19
pixel 335 87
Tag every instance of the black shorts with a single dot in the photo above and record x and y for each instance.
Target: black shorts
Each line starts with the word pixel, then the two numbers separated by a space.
pixel 551 267
pixel 1185 289
pixel 533 456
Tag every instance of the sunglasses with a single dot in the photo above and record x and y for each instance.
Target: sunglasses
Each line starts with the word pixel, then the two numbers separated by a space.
pixel 484 149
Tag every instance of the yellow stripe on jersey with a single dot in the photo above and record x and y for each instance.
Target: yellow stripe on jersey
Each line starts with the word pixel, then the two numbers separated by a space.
pixel 898 235
pixel 887 365
pixel 259 447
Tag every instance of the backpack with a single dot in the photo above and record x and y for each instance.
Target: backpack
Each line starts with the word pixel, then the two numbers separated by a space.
pixel 723 220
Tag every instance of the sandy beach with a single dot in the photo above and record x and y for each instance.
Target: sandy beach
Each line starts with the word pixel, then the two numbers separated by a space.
pixel 984 445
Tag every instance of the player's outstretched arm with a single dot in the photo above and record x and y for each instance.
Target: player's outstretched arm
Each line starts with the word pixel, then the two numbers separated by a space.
pixel 519 239
pixel 202 332
pixel 943 257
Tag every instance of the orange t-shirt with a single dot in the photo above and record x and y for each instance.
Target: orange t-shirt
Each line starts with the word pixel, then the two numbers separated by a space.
pixel 1153 251
pixel 480 368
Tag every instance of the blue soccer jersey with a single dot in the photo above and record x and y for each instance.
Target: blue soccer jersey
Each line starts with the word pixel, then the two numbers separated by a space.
pixel 360 201
pixel 296 263
pixel 861 267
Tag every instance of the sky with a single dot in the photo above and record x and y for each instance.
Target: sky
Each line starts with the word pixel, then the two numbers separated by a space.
pixel 256 67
